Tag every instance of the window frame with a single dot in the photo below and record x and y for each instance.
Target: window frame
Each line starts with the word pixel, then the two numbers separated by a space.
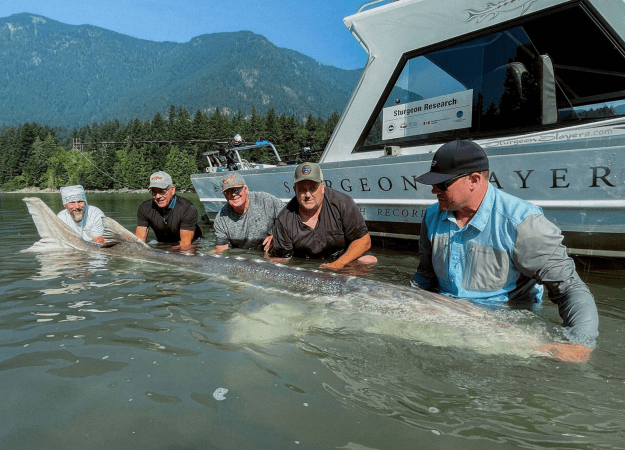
pixel 582 5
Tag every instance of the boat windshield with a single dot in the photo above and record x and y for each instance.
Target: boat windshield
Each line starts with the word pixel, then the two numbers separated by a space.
pixel 542 73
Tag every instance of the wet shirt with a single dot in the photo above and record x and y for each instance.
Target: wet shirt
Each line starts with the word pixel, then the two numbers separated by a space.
pixel 507 252
pixel 340 223
pixel 181 214
pixel 91 225
pixel 250 229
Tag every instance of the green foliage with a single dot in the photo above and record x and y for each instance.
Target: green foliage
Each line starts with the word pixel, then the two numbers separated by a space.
pixel 125 154
pixel 180 165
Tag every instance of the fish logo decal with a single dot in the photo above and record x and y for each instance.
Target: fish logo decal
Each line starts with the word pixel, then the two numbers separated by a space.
pixel 492 10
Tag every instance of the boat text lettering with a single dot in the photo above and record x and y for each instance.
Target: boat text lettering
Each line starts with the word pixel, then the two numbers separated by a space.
pixel 560 178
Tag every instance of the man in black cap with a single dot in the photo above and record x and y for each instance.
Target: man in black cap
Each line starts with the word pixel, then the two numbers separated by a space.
pixel 483 244
pixel 320 222
pixel 171 217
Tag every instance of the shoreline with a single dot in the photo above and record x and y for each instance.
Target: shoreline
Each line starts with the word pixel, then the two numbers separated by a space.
pixel 34 190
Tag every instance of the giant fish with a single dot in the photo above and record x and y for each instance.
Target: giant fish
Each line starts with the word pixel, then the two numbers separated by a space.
pixel 121 242
pixel 385 308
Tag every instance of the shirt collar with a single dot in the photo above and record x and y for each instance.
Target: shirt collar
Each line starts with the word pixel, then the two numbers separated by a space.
pixel 482 216
pixel 170 206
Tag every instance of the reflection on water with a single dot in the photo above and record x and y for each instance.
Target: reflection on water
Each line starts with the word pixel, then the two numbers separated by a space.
pixel 103 353
pixel 67 263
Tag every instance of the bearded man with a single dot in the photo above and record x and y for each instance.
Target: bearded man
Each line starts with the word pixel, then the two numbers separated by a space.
pixel 84 219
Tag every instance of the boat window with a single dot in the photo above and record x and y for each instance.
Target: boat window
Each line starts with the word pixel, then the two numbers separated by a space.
pixel 536 75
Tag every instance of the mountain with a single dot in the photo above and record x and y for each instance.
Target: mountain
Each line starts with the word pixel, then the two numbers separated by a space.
pixel 65 75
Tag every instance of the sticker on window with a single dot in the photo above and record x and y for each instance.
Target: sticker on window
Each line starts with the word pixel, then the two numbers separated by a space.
pixel 447 112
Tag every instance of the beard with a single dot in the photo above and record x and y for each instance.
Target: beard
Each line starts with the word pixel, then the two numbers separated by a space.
pixel 77 215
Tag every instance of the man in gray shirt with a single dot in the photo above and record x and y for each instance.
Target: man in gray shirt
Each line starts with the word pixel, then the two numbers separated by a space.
pixel 247 219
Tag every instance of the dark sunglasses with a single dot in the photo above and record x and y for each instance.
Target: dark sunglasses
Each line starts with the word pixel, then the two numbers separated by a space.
pixel 234 191
pixel 445 184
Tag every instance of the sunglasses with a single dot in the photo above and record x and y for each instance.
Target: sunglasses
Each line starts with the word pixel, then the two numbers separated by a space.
pixel 161 192
pixel 445 184
pixel 234 191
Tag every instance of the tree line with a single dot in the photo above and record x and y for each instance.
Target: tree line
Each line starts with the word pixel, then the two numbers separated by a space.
pixel 33 155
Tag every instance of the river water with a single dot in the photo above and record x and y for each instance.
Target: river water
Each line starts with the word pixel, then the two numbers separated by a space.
pixel 108 353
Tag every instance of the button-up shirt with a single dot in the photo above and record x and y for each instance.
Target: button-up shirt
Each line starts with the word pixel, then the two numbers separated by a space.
pixel 506 252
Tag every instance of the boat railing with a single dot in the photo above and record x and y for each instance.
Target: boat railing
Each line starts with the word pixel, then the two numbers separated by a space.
pixel 233 157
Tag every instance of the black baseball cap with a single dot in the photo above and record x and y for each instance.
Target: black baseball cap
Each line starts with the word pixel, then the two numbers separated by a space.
pixel 453 159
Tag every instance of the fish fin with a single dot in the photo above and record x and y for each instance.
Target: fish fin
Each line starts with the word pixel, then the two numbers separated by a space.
pixel 47 224
pixel 114 233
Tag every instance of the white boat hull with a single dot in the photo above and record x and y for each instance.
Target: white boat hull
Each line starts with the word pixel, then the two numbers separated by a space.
pixel 579 183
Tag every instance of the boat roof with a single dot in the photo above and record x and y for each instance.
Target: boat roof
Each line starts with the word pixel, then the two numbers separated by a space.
pixel 390 31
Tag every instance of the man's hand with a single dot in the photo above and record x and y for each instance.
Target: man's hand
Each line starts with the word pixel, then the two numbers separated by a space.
pixel 219 249
pixel 268 243
pixel 566 351
pixel 336 265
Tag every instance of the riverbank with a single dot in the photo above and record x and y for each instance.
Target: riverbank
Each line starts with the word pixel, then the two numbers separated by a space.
pixel 35 190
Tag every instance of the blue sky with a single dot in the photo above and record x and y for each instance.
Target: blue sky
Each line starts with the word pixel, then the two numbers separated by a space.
pixel 312 27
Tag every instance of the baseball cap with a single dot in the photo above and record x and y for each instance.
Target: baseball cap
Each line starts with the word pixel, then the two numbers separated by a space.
pixel 308 171
pixel 160 180
pixel 232 179
pixel 455 158
pixel 74 193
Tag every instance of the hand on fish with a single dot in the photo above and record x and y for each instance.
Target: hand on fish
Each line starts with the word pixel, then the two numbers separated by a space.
pixel 268 243
pixel 566 351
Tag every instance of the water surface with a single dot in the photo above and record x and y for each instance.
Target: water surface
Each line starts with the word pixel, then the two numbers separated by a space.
pixel 104 353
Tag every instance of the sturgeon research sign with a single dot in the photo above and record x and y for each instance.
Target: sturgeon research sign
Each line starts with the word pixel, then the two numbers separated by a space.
pixel 447 112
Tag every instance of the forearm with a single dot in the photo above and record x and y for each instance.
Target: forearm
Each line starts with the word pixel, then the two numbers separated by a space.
pixel 425 277
pixel 142 233
pixel 354 251
pixel 186 238
pixel 579 315
pixel 539 254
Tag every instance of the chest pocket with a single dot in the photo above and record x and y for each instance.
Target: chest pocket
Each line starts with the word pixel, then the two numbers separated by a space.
pixel 487 269
pixel 439 257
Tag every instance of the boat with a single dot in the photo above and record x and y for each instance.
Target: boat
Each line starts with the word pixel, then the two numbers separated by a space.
pixel 229 156
pixel 539 84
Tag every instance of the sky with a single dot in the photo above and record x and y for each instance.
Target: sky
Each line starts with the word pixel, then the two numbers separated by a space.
pixel 312 27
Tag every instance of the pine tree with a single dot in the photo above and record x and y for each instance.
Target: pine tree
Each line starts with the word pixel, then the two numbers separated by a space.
pixel 180 165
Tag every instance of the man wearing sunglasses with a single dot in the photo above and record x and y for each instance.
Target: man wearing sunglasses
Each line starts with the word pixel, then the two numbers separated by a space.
pixel 483 244
pixel 171 217
pixel 246 220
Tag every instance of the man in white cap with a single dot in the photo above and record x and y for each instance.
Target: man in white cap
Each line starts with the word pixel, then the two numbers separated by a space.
pixel 171 217
pixel 320 222
pixel 246 220
pixel 84 219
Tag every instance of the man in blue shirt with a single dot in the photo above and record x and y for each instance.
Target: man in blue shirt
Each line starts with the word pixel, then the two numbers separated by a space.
pixel 486 245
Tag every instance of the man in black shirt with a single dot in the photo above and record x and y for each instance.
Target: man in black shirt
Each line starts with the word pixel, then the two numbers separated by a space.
pixel 320 222
pixel 172 218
